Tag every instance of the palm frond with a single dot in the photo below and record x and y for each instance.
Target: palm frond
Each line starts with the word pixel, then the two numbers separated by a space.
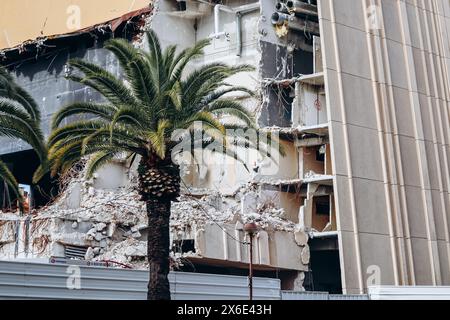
pixel 202 118
pixel 168 59
pixel 204 82
pixel 158 139
pixel 234 109
pixel 129 115
pixel 141 118
pixel 98 160
pixel 104 111
pixel 104 82
pixel 184 57
pixel 99 132
pixel 221 92
pixel 136 70
pixel 15 123
pixel 8 177
pixel 10 90
pixel 175 95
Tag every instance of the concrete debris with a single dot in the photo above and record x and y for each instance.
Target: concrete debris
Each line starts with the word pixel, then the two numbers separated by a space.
pixel 194 213
pixel 6 232
pixel 101 207
pixel 311 175
pixel 8 216
pixel 112 224
pixel 74 238
pixel 306 255
pixel 103 243
pixel 100 226
pixel 299 281
pixel 278 182
pixel 130 251
pixel 301 237
pixel 136 234
pixel 89 254
pixel 98 237
pixel 111 229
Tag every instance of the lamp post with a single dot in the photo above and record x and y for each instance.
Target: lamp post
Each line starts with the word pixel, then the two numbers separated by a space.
pixel 251 229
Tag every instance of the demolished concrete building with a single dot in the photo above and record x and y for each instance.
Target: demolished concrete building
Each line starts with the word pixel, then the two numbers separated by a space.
pixel 357 91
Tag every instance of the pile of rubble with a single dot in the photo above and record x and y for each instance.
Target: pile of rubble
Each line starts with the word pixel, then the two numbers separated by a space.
pixel 112 223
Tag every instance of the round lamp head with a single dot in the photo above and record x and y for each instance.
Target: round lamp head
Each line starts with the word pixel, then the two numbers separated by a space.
pixel 251 228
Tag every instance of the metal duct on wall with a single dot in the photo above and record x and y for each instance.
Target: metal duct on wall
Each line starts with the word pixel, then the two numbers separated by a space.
pixel 295 23
pixel 297 6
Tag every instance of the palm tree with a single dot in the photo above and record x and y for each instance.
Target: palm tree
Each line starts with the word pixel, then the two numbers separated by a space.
pixel 19 119
pixel 141 116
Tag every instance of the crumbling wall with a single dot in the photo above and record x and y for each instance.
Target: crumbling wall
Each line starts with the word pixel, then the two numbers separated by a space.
pixel 105 216
pixel 187 29
pixel 24 21
pixel 7 236
pixel 45 80
pixel 111 224
pixel 283 56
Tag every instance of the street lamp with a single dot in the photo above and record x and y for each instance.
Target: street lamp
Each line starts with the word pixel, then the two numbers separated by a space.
pixel 251 229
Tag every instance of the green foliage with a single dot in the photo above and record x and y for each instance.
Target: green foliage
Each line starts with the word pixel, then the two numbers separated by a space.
pixel 19 119
pixel 155 99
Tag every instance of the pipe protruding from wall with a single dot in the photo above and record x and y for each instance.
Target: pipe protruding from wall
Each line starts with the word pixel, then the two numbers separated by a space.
pixel 217 8
pixel 295 23
pixel 239 33
pixel 239 12
pixel 301 7
pixel 278 18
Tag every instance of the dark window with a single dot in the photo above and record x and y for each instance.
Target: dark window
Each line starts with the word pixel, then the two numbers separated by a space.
pixel 323 205
pixel 320 156
pixel 181 5
pixel 75 252
pixel 183 246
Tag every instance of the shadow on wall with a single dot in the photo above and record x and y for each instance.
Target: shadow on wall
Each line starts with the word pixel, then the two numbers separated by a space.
pixel 23 164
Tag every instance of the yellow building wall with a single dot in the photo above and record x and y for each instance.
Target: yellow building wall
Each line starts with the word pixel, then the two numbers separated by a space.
pixel 22 20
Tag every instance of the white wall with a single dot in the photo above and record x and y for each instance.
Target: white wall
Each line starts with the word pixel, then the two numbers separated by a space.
pixel 181 31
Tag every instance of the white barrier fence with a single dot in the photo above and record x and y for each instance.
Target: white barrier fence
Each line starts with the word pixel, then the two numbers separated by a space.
pixel 28 280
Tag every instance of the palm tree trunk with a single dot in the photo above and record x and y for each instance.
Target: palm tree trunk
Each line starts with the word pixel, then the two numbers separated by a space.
pixel 158 249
